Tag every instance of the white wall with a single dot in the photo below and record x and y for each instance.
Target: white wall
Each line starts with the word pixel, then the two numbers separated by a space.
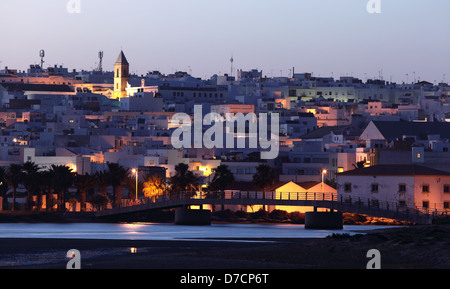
pixel 388 189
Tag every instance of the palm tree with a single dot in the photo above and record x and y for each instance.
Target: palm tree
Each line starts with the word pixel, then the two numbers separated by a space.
pixel 48 182
pixel 14 179
pixel 42 182
pixel 102 180
pixel 30 180
pixel 64 177
pixel 130 184
pixel 184 180
pixel 222 177
pixel 154 186
pixel 84 183
pixel 264 178
pixel 117 175
pixel 3 187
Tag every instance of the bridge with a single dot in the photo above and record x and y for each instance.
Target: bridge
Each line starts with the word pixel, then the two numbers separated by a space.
pixel 308 199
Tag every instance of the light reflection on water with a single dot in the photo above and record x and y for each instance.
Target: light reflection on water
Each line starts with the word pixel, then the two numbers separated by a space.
pixel 148 231
pixel 152 231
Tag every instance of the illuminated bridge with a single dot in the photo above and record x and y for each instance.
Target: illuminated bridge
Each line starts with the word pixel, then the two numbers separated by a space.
pixel 316 200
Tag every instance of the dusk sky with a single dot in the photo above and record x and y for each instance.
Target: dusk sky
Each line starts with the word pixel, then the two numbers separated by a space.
pixel 325 37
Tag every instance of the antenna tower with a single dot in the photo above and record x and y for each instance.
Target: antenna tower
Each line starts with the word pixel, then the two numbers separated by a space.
pixel 42 55
pixel 100 63
pixel 231 61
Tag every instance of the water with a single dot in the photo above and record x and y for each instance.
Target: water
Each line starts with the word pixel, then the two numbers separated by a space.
pixel 148 231
pixel 152 231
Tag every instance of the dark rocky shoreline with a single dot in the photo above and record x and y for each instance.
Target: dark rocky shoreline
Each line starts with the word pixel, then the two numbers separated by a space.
pixel 261 216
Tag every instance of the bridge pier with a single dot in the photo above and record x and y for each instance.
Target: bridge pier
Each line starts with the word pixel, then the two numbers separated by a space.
pixel 324 220
pixel 184 216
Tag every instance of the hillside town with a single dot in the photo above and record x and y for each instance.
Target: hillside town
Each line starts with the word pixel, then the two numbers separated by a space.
pixel 370 139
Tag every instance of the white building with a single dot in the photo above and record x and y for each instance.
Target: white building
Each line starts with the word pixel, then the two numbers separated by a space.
pixel 142 101
pixel 406 185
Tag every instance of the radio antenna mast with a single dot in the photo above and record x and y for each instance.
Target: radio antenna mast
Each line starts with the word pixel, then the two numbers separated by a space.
pixel 42 55
pixel 100 63
pixel 231 61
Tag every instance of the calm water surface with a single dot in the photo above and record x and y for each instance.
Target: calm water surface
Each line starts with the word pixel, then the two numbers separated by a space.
pixel 152 231
pixel 147 231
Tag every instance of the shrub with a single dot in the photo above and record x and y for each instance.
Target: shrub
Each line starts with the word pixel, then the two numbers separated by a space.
pixel 279 215
pixel 241 214
pixel 261 214
pixel 225 214
pixel 99 201
pixel 297 217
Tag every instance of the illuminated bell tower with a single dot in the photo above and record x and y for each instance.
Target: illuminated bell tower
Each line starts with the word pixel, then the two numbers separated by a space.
pixel 121 76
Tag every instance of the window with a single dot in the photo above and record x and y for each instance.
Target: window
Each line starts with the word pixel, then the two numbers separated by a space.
pixel 447 205
pixel 402 188
pixel 426 188
pixel 446 189
pixel 426 204
pixel 348 187
pixel 402 204
pixel 374 188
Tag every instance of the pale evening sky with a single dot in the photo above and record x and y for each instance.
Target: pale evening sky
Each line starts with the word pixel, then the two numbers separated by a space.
pixel 325 37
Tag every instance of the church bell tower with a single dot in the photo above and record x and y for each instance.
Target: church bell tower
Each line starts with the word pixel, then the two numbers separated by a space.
pixel 121 76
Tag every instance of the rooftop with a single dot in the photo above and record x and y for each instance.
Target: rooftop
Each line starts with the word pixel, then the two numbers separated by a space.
pixel 395 170
pixel 396 129
pixel 122 59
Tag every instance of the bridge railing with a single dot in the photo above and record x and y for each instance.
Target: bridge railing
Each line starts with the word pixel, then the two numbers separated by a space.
pixel 253 195
pixel 435 210
pixel 273 195
pixel 431 210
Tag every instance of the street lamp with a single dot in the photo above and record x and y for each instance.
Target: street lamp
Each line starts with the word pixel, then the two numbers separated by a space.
pixel 324 172
pixel 136 172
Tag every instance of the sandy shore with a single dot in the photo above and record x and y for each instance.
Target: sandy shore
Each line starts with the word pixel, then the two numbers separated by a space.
pixel 419 247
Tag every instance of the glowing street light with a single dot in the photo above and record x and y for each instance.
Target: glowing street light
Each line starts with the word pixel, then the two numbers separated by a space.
pixel 324 172
pixel 136 172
